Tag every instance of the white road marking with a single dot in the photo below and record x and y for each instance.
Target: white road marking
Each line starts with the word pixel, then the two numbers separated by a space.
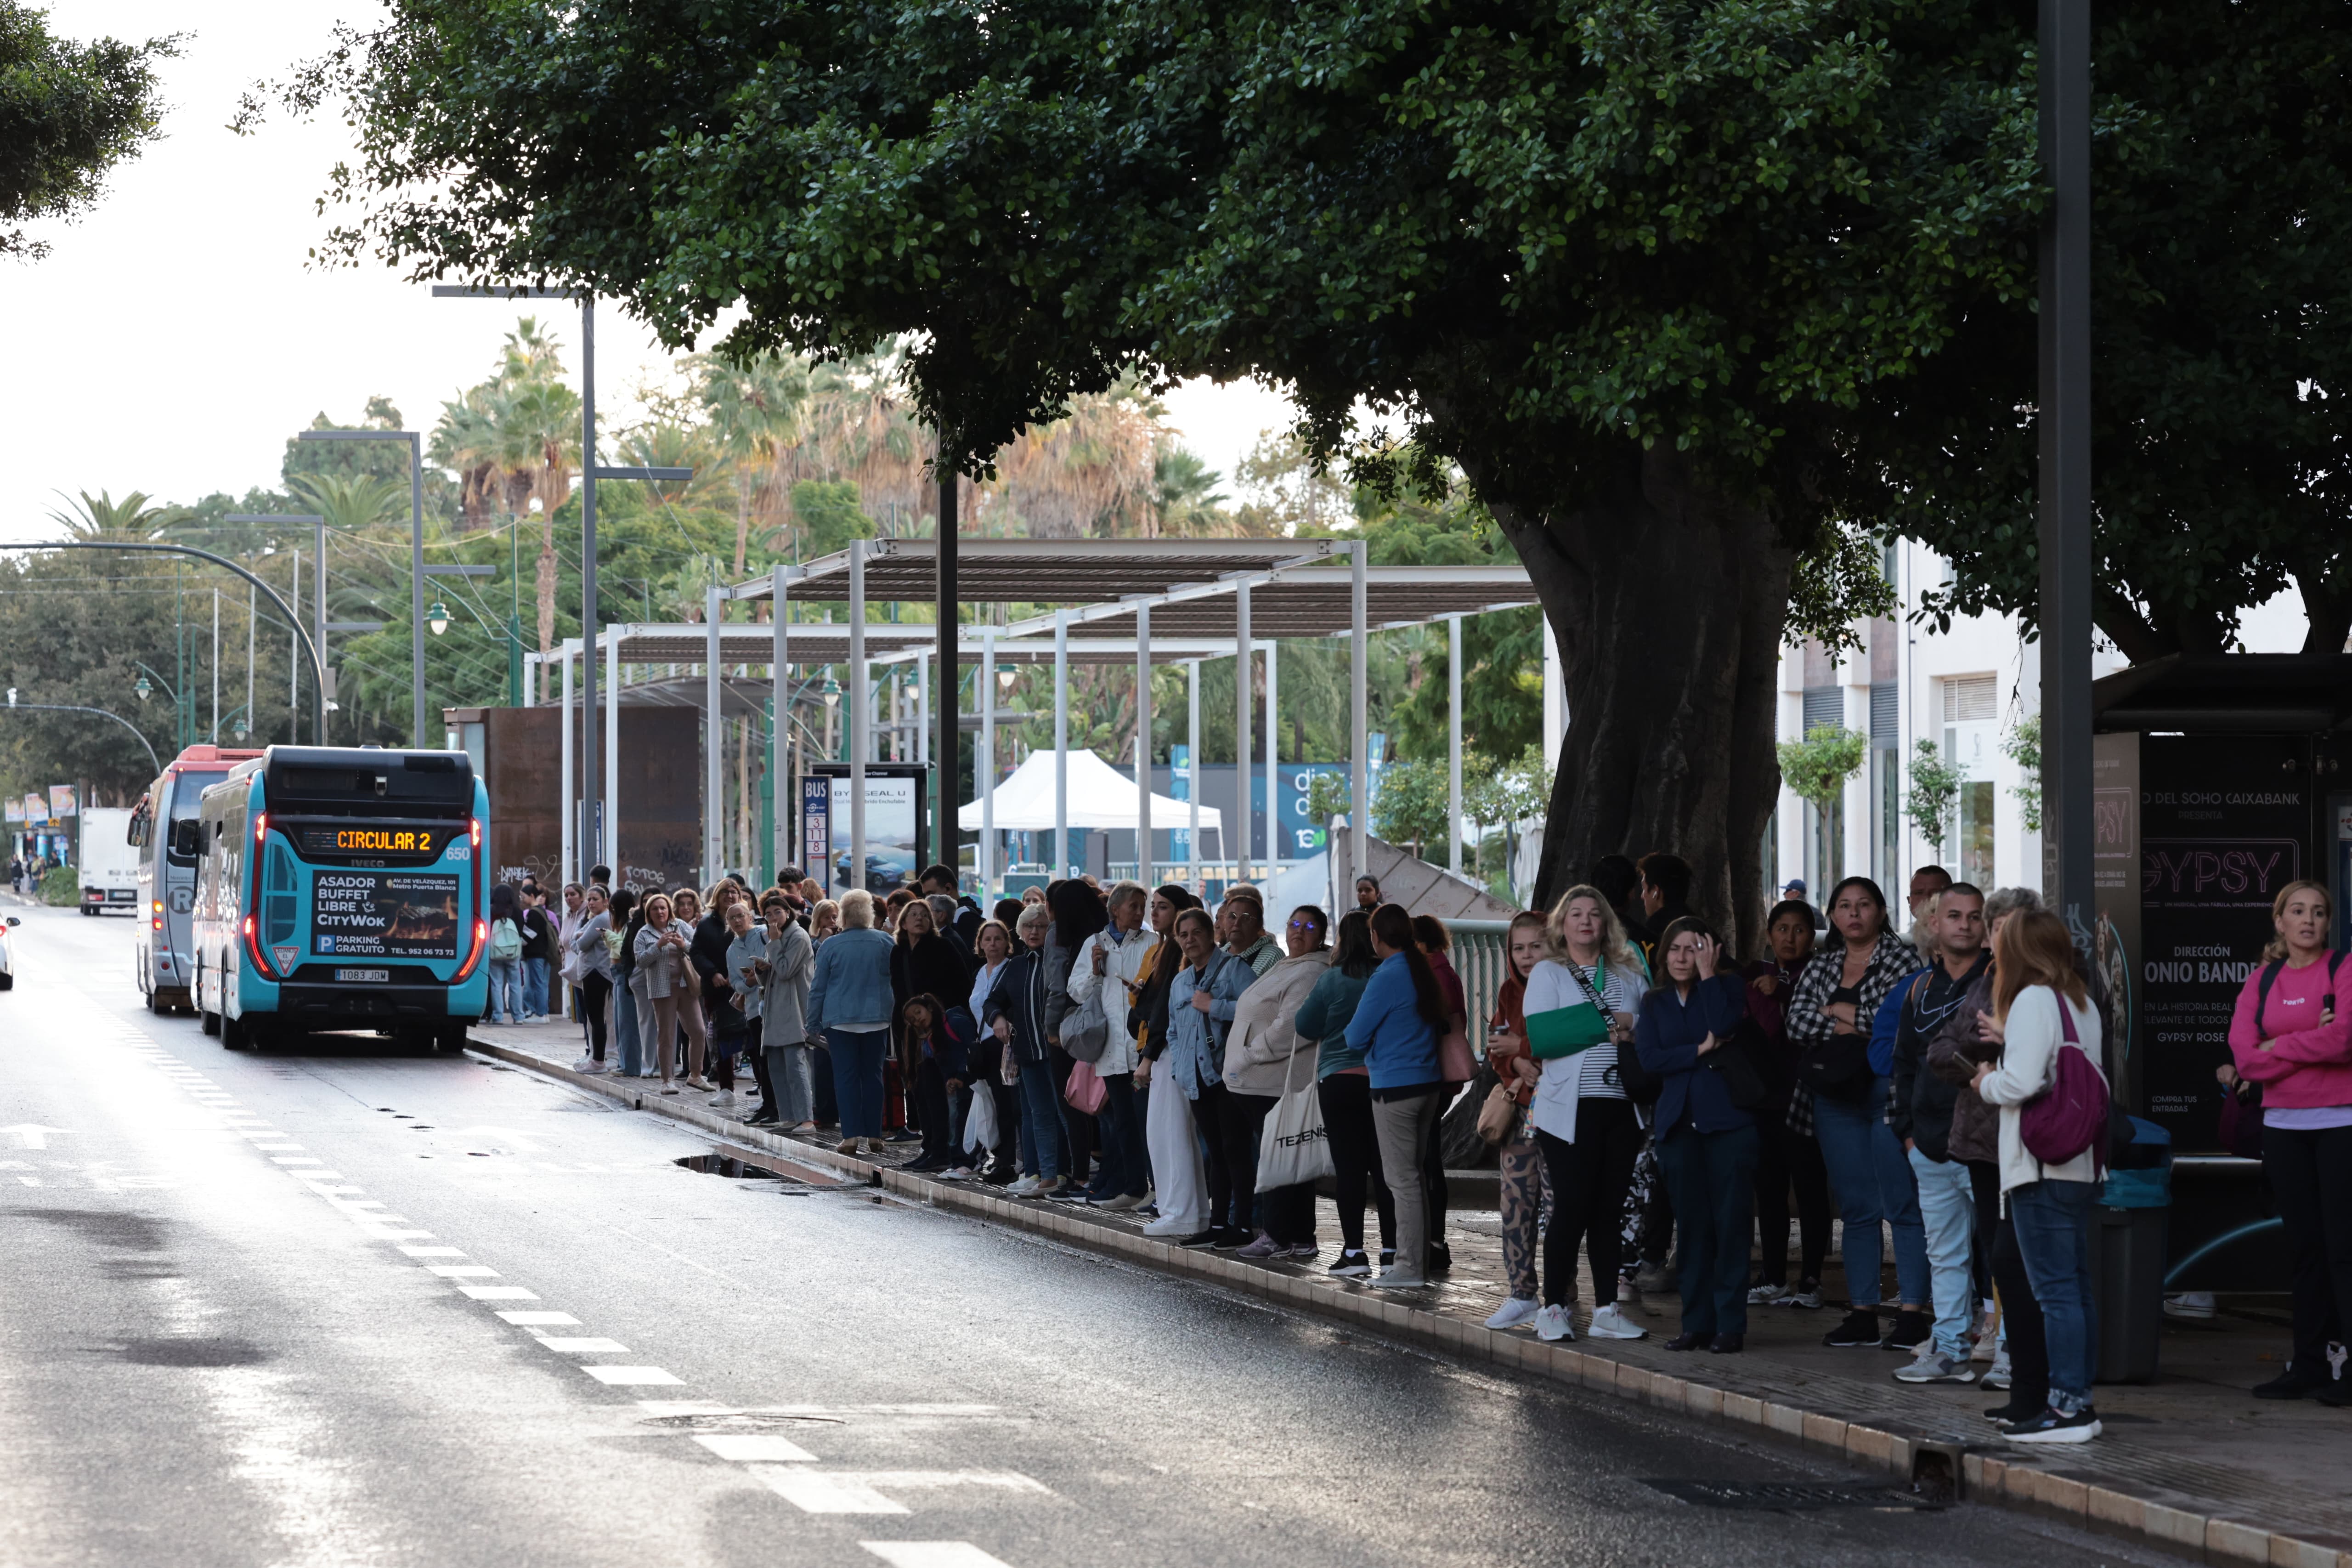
pixel 296 1160
pixel 432 1251
pixel 461 1270
pixel 633 1376
pixel 860 1491
pixel 932 1554
pixel 31 1134
pixel 754 1447
pixel 880 1409
pixel 589 1346
pixel 30 1181
pixel 499 1292
pixel 534 1320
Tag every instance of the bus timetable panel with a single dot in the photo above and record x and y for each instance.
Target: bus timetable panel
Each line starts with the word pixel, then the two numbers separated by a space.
pixel 343 889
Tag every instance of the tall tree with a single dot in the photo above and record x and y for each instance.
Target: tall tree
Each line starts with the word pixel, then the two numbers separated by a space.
pixel 69 113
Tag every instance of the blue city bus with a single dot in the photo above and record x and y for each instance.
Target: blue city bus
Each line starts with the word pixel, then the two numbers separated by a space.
pixel 340 888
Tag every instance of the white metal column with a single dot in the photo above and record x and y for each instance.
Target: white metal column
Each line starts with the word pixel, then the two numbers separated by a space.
pixel 612 779
pixel 923 715
pixel 1241 841
pixel 1060 863
pixel 1143 744
pixel 784 804
pixel 983 772
pixel 1454 744
pixel 1273 781
pixel 1360 757
pixel 571 813
pixel 1192 785
pixel 714 744
pixel 1555 699
pixel 861 735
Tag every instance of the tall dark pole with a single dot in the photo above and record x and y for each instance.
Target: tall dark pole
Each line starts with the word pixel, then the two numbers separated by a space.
pixel 946 794
pixel 2065 534
pixel 592 817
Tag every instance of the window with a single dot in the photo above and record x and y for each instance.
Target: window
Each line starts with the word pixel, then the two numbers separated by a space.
pixel 1976 833
pixel 1970 699
pixel 1825 705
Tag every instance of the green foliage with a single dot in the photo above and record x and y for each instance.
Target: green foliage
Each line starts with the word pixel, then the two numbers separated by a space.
pixel 1409 806
pixel 1509 791
pixel 830 515
pixel 2022 744
pixel 1328 796
pixel 1817 767
pixel 61 887
pixel 1934 796
pixel 69 113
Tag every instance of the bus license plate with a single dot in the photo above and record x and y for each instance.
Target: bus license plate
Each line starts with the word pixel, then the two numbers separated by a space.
pixel 359 976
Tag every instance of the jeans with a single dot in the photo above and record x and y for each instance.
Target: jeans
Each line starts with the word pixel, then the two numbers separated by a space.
pixel 1588 1178
pixel 625 1036
pixel 2053 1221
pixel 1403 1127
pixel 791 1069
pixel 1713 1178
pixel 857 1079
pixel 827 1103
pixel 1356 1156
pixel 506 990
pixel 1785 1159
pixel 1125 1173
pixel 534 988
pixel 1872 1178
pixel 2310 1172
pixel 1948 1211
pixel 1041 1120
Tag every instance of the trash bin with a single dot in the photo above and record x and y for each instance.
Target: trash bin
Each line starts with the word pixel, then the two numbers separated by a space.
pixel 2127 1255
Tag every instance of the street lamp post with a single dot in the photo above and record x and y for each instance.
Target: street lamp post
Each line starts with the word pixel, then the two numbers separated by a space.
pixel 319 567
pixel 416 559
pixel 152 760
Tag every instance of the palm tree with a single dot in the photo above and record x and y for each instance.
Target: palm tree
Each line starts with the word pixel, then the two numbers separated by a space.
pixel 353 503
pixel 755 415
pixel 1091 472
pixel 102 517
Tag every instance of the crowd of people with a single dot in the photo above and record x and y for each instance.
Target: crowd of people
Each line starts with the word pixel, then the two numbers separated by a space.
pixel 1131 1049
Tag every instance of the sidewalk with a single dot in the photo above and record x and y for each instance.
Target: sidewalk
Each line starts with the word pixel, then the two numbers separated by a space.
pixel 2190 1462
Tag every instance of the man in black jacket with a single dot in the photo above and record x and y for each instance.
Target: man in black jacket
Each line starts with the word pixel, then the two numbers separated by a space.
pixel 538 953
pixel 1920 1111
pixel 968 918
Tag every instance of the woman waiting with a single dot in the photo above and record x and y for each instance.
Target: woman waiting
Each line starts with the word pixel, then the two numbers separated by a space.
pixel 1345 1087
pixel 664 979
pixel 506 972
pixel 785 970
pixel 1436 945
pixel 592 971
pixel 2040 1005
pixel 942 1059
pixel 1262 1050
pixel 1015 1014
pixel 1196 1069
pixel 1079 914
pixel 1180 1183
pixel 1397 1025
pixel 1518 1159
pixel 824 919
pixel 994 945
pixel 922 962
pixel 722 1016
pixel 628 1037
pixel 2289 1036
pixel 1783 1157
pixel 850 1007
pixel 1105 975
pixel 1841 1101
pixel 1707 1144
pixel 1586 1127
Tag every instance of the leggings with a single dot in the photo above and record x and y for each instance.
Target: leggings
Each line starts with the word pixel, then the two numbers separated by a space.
pixel 2310 1172
pixel 1227 1208
pixel 679 1010
pixel 1588 1178
pixel 1242 1119
pixel 1433 1171
pixel 1786 1159
pixel 1519 1165
pixel 2020 1314
pixel 1356 1159
pixel 593 992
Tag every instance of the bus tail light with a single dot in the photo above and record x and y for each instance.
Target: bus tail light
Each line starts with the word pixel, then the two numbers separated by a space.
pixel 473 826
pixel 261 828
pixel 253 948
pixel 473 953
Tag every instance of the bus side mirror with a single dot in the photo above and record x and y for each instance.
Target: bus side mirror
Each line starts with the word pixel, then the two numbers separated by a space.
pixel 187 837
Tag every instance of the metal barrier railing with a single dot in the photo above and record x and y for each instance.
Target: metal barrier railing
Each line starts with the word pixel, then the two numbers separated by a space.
pixel 1481 951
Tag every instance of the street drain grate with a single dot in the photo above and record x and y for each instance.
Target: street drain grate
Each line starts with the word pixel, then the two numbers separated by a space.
pixel 739 1421
pixel 743 1171
pixel 1790 1496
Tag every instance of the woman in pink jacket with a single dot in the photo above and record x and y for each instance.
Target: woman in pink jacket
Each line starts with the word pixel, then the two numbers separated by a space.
pixel 2289 1036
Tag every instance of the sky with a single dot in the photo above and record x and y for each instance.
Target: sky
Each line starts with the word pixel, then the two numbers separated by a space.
pixel 177 336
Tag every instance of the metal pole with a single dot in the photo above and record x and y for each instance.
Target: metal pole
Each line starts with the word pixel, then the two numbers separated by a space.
pixel 1242 731
pixel 252 604
pixel 983 766
pixel 860 716
pixel 923 708
pixel 780 778
pixel 294 667
pixel 318 621
pixel 1273 787
pixel 946 752
pixel 215 730
pixel 592 849
pixel 1360 769
pixel 563 716
pixel 1060 863
pixel 714 742
pixel 1193 765
pixel 1454 744
pixel 611 846
pixel 416 589
pixel 1143 744
pixel 2065 466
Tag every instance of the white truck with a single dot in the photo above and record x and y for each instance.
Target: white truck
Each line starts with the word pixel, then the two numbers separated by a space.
pixel 109 861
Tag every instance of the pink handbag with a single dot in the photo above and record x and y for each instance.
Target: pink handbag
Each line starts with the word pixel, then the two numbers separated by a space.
pixel 1085 1090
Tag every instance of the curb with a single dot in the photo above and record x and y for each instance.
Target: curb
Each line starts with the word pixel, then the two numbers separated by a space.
pixel 1936 1466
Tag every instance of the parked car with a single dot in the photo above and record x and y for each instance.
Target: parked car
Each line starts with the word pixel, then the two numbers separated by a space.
pixel 882 875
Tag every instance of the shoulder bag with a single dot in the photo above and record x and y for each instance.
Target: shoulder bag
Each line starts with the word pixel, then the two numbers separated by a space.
pixel 1294 1146
pixel 2071 1115
pixel 1086 1033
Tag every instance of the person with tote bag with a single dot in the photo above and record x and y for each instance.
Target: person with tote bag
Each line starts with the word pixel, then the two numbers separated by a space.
pixel 1261 1055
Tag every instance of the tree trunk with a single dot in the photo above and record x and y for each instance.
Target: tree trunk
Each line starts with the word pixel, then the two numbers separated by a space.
pixel 1668 598
pixel 546 603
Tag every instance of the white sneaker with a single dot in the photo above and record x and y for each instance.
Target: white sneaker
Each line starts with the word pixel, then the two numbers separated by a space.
pixel 1165 1226
pixel 1514 1312
pixel 1552 1324
pixel 1611 1323
pixel 724 1097
pixel 1396 1278
pixel 587 1064
pixel 1024 1188
pixel 1765 1295
pixel 1998 1378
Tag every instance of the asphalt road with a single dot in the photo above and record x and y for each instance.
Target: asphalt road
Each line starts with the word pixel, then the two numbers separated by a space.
pixel 343 1306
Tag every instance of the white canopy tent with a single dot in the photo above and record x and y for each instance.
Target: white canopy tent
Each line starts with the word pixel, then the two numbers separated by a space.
pixel 1100 796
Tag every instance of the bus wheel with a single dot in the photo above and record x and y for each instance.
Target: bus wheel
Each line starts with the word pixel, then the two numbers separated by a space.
pixel 233 1034
pixel 450 1037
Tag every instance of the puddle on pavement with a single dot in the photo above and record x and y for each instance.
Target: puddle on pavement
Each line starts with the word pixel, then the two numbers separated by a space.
pixel 741 1171
pixel 188 1352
